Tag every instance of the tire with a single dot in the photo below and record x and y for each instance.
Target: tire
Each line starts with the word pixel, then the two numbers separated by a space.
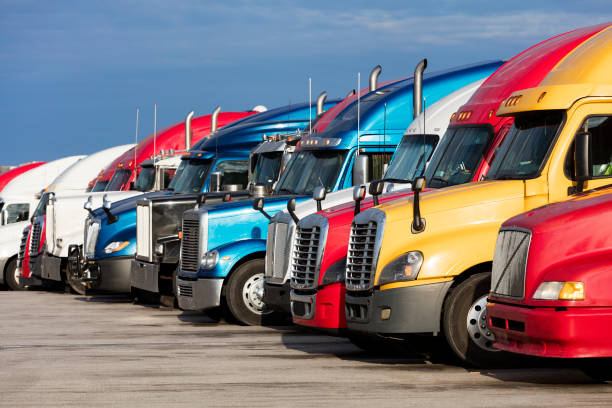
pixel 10 277
pixel 244 294
pixel 471 342
pixel 599 369
pixel 75 285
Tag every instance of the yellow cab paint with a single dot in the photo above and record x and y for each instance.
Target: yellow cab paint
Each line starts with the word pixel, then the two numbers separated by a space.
pixel 462 221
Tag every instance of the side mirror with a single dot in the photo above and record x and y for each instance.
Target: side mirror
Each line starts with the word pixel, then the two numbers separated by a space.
pixel 131 185
pixel 216 180
pixel 201 199
pixel 318 195
pixel 418 223
pixel 376 189
pixel 106 206
pixel 359 193
pixel 582 158
pixel 291 210
pixel 360 169
pixel 258 205
pixel 1 204
pixel 39 194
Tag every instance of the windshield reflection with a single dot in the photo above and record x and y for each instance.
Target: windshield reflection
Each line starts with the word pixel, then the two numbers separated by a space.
pixel 190 176
pixel 309 169
pixel 411 156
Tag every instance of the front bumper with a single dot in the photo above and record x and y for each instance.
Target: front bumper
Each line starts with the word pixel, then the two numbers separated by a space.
pixel 108 275
pixel 199 294
pixel 323 309
pixel 144 275
pixel 412 309
pixel 276 297
pixel 576 332
pixel 46 267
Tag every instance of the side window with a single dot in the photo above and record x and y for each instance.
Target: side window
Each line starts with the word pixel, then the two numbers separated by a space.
pixel 17 213
pixel 234 172
pixel 600 128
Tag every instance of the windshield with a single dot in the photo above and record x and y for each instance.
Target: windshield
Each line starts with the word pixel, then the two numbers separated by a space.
pixel 411 156
pixel 41 209
pixel 119 180
pixel 190 176
pixel 524 149
pixel 100 186
pixel 310 169
pixel 460 153
pixel 146 179
pixel 267 168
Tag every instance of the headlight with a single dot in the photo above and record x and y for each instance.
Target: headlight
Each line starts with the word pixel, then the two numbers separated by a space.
pixel 115 246
pixel 209 260
pixel 335 273
pixel 554 290
pixel 404 268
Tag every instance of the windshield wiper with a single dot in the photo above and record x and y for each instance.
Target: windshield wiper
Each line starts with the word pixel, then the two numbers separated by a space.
pixel 507 177
pixel 396 180
pixel 440 179
pixel 285 190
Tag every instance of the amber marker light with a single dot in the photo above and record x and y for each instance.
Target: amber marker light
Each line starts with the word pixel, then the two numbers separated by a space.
pixel 572 291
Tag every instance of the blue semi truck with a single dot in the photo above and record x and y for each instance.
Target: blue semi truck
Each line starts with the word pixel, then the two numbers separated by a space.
pixel 223 245
pixel 218 162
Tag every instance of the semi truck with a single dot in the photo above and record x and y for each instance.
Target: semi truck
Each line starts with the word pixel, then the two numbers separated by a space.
pixel 6 177
pixel 219 162
pixel 550 292
pixel 19 199
pixel 68 214
pixel 224 245
pixel 471 143
pixel 423 265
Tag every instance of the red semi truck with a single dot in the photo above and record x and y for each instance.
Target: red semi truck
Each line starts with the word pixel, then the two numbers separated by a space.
pixel 322 306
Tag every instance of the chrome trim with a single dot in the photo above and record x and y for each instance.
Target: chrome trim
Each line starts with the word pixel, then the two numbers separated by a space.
pixel 496 280
pixel 364 218
pixel 309 222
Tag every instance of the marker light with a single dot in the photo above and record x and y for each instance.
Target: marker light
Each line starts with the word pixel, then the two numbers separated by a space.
pixel 560 291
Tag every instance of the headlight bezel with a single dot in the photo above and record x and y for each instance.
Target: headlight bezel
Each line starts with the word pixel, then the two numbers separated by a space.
pixel 115 246
pixel 396 270
pixel 209 260
pixel 560 290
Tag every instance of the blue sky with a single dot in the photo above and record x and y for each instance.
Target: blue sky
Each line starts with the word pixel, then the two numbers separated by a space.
pixel 73 72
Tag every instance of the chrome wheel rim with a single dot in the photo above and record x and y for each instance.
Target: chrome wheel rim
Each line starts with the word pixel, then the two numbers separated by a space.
pixel 478 327
pixel 252 294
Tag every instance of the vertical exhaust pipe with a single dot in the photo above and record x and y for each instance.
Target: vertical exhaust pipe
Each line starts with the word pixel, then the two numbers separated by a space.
pixel 213 120
pixel 417 94
pixel 374 77
pixel 351 93
pixel 320 102
pixel 188 130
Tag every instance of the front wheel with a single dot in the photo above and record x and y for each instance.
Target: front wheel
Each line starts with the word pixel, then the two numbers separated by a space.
pixel 465 324
pixel 11 276
pixel 244 294
pixel 74 282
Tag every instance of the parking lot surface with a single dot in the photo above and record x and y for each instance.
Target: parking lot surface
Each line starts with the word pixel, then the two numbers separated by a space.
pixel 67 350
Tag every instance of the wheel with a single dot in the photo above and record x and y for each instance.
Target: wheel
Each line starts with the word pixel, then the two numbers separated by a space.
pixel 74 283
pixel 464 323
pixel 11 275
pixel 599 369
pixel 244 294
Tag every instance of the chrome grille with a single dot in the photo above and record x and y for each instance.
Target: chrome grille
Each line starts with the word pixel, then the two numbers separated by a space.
pixel 190 245
pixel 510 263
pixel 304 258
pixel 23 244
pixel 35 238
pixel 185 290
pixel 276 250
pixel 143 231
pixel 360 265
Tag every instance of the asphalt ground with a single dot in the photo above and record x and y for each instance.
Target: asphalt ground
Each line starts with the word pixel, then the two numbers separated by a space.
pixel 67 350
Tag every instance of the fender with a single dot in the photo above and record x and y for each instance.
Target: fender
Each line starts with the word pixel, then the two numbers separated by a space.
pixel 231 254
pixel 125 232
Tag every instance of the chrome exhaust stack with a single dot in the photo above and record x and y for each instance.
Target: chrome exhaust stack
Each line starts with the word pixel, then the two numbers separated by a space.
pixel 188 130
pixel 213 120
pixel 417 94
pixel 374 77
pixel 320 102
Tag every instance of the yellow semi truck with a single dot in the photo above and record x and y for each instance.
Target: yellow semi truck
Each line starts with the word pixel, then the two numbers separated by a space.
pixel 422 264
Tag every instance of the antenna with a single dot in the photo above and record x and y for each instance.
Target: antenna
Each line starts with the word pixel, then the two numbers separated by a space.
pixel 136 140
pixel 358 101
pixel 424 132
pixel 154 131
pixel 384 136
pixel 310 103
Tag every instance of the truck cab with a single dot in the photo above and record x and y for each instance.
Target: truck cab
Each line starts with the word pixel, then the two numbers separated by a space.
pixel 19 198
pixel 68 209
pixel 335 155
pixel 433 253
pixel 218 162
